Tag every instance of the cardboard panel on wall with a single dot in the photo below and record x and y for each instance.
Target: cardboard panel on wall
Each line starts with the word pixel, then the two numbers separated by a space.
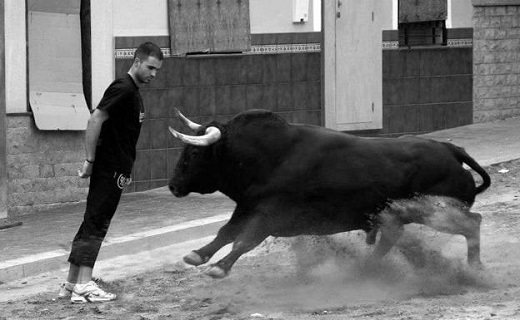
pixel 59 110
pixel 209 26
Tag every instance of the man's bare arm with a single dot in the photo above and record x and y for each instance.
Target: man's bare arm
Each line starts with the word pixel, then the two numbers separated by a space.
pixel 91 140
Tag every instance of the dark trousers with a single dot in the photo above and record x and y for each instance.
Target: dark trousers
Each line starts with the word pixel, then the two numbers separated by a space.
pixel 102 200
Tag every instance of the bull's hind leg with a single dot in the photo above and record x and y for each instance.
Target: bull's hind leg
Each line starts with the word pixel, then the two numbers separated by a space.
pixel 254 232
pixel 445 215
pixel 225 235
pixel 460 221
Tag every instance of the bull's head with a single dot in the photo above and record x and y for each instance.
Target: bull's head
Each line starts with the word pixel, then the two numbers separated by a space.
pixel 196 169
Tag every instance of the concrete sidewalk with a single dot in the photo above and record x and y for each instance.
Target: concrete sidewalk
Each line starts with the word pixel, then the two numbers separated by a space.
pixel 155 219
pixel 144 221
pixel 489 142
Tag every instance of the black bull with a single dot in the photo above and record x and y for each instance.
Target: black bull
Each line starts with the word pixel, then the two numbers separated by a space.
pixel 290 180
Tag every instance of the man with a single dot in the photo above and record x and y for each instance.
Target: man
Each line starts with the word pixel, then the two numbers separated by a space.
pixel 111 138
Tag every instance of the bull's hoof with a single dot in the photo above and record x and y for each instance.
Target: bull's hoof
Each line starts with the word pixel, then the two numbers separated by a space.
pixel 193 258
pixel 371 237
pixel 217 272
pixel 477 265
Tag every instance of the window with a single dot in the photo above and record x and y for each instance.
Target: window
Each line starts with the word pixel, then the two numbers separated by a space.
pixel 55 65
pixel 422 22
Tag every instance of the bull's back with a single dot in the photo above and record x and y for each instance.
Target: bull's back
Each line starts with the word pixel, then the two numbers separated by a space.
pixel 333 169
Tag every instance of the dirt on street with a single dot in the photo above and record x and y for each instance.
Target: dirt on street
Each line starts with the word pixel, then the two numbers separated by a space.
pixel 425 276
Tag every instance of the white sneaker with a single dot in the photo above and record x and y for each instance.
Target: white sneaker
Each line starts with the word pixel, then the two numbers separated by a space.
pixel 65 290
pixel 90 292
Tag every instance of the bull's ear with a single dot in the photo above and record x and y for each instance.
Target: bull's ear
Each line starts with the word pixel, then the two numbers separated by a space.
pixel 211 136
pixel 192 125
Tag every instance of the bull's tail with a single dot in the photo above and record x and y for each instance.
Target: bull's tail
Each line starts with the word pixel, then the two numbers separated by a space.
pixel 463 157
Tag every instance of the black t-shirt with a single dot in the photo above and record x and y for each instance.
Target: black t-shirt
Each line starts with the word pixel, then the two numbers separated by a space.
pixel 120 132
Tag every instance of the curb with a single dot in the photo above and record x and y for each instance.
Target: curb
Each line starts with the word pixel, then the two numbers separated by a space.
pixel 112 247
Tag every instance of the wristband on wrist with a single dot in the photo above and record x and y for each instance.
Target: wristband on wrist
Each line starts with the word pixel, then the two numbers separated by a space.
pixel 91 162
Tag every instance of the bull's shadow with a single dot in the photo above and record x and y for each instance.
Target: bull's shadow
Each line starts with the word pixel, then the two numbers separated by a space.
pixel 290 179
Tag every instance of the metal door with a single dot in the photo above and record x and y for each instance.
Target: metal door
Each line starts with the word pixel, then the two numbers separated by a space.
pixel 353 65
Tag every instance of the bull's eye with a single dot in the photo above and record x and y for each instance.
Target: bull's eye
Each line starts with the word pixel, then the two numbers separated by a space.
pixel 194 152
pixel 191 154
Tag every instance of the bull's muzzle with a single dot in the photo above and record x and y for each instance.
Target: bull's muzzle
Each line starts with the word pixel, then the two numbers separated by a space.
pixel 176 192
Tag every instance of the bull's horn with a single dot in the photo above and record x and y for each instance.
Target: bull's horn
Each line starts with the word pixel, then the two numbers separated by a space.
pixel 192 125
pixel 212 135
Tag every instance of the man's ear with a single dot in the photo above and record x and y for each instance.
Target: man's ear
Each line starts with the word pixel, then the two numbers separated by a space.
pixel 137 61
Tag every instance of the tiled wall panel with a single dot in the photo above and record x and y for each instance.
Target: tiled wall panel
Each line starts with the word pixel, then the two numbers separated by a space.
pixel 219 87
pixel 426 89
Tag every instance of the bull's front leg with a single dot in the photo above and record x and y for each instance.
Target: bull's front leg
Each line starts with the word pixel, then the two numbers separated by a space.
pixel 254 232
pixel 391 230
pixel 225 235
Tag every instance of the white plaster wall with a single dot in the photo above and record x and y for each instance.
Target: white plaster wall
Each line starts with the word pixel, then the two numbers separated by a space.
pixel 15 56
pixel 461 14
pixel 103 65
pixel 140 18
pixel 150 17
pixel 388 12
pixel 275 16
pixel 316 15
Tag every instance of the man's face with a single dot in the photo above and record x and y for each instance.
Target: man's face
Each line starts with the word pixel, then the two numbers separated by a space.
pixel 147 69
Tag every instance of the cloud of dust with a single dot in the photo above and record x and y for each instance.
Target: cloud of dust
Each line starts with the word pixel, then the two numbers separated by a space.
pixel 338 271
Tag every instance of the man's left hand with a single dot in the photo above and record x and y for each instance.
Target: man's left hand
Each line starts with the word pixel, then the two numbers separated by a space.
pixel 86 170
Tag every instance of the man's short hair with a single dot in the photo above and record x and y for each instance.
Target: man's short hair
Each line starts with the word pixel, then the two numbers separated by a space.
pixel 148 49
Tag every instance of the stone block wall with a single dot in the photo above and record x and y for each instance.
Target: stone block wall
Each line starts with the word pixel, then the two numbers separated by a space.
pixel 42 166
pixel 496 54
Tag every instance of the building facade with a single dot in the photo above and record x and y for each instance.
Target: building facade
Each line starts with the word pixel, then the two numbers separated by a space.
pixel 282 68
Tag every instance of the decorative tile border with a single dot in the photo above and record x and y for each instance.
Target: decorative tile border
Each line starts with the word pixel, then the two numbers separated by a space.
pixel 392 45
pixel 129 53
pixel 460 42
pixel 286 48
pixel 387 45
pixel 291 48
